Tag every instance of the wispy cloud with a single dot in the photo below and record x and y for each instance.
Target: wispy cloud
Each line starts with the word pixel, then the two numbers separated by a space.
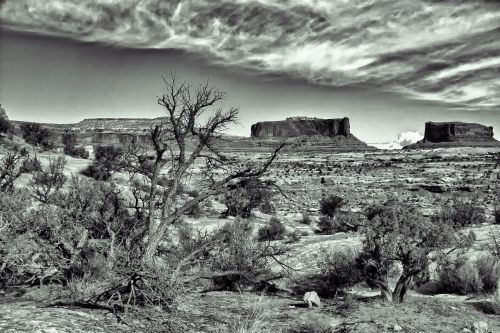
pixel 446 51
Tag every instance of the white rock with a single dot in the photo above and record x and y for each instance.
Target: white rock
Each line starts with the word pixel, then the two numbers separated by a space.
pixel 480 327
pixel 397 328
pixel 312 299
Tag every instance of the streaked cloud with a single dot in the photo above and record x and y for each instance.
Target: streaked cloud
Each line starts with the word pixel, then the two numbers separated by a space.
pixel 446 51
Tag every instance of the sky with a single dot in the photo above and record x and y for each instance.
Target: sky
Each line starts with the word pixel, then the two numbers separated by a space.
pixel 388 65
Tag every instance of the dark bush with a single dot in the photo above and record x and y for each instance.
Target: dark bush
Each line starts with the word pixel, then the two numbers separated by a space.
pixel 70 147
pixel 96 171
pixel 340 269
pixel 49 180
pixel 399 234
pixel 488 268
pixel 246 196
pixel 306 218
pixel 107 160
pixel 5 126
pixel 460 213
pixel 237 251
pixel 497 215
pixel 36 135
pixel 330 205
pixel 274 230
pixel 31 164
pixel 342 222
pixel 459 276
pixel 11 167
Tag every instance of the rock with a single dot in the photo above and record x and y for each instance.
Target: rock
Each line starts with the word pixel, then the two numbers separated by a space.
pixel 397 328
pixel 456 134
pixel 312 299
pixel 434 188
pixel 480 327
pixel 298 126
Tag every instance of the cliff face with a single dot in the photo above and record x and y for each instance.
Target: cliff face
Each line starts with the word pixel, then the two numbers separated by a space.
pixel 293 127
pixel 456 134
pixel 457 131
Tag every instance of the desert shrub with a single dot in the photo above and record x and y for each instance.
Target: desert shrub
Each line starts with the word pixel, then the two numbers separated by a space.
pixel 100 208
pixel 459 276
pixel 339 268
pixel 342 222
pixel 306 218
pixel 488 268
pixel 274 230
pixel 96 171
pixel 293 236
pixel 196 211
pixel 31 164
pixel 30 239
pixel 36 135
pixel 48 181
pixel 250 194
pixel 330 205
pixel 398 233
pixel 11 167
pixel 267 207
pixel 325 226
pixel 107 160
pixel 70 147
pixel 237 253
pixel 460 213
pixel 77 151
pixel 497 215
pixel 5 126
pixel 316 325
pixel 111 154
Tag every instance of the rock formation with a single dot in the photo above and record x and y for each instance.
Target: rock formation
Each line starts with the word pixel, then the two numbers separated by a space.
pixel 298 126
pixel 305 133
pixel 456 134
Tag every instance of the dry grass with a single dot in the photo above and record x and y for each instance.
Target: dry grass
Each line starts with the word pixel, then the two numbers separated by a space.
pixel 254 322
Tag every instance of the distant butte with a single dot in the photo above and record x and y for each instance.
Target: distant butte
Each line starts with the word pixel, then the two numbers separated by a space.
pixel 297 126
pixel 456 134
pixel 310 133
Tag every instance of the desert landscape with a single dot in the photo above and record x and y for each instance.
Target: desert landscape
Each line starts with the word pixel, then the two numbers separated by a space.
pixel 322 169
pixel 250 166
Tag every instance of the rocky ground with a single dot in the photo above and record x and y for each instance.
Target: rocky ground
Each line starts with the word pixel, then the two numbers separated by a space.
pixel 423 178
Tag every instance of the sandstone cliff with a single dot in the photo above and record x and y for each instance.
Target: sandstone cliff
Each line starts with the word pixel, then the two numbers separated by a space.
pixel 309 134
pixel 294 127
pixel 456 134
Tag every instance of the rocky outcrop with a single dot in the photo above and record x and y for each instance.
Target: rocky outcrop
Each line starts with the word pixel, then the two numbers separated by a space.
pixel 456 134
pixel 299 126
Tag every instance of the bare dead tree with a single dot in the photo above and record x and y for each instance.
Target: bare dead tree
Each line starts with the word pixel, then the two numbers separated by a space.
pixel 189 133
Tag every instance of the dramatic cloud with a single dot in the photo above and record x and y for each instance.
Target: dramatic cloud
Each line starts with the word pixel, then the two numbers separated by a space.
pixel 404 139
pixel 439 50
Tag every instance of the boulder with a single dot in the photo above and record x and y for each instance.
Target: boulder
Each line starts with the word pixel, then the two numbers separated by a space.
pixel 480 327
pixel 312 299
